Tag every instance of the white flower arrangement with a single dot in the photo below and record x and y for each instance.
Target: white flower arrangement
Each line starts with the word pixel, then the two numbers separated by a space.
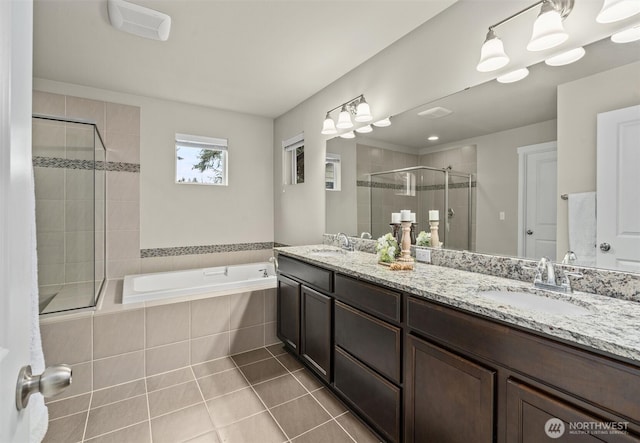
pixel 423 239
pixel 387 248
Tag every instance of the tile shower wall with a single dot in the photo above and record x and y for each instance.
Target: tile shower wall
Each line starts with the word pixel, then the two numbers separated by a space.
pixel 119 125
pixel 117 344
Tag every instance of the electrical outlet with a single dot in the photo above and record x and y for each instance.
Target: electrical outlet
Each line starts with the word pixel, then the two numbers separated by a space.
pixel 423 255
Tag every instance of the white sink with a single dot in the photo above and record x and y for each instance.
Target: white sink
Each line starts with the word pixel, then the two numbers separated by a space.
pixel 327 252
pixel 535 302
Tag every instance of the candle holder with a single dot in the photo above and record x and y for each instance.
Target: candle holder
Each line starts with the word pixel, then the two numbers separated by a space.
pixel 406 243
pixel 435 240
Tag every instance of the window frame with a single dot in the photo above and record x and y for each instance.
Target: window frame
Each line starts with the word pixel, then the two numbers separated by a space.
pixel 335 160
pixel 189 141
pixel 290 148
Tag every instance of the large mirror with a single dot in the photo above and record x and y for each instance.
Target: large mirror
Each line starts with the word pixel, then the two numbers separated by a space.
pixel 540 153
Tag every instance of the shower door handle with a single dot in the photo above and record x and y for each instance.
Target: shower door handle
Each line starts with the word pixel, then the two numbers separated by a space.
pixel 529 232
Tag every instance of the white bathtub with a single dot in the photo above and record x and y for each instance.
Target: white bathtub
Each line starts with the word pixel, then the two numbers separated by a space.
pixel 213 282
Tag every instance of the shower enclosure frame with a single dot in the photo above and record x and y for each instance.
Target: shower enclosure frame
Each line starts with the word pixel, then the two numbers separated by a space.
pixel 447 172
pixel 98 165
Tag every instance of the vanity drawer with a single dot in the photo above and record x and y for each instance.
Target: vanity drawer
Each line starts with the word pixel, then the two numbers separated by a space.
pixel 373 341
pixel 376 398
pixel 314 276
pixel 373 299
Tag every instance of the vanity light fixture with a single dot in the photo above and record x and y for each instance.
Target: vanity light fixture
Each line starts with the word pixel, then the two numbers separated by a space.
pixel 383 123
pixel 566 57
pixel 349 134
pixel 364 129
pixel 627 35
pixel 548 32
pixel 513 76
pixel 616 10
pixel 357 107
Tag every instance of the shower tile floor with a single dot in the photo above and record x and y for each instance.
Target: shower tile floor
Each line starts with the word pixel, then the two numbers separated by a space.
pixel 260 396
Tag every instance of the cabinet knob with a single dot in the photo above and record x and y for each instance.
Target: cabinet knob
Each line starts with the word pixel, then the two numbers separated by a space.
pixel 529 232
pixel 605 247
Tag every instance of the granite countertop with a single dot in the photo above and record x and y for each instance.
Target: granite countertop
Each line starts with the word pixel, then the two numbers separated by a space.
pixel 612 327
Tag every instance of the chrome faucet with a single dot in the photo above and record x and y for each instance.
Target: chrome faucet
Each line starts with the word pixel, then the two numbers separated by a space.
pixel 546 266
pixel 569 258
pixel 365 234
pixel 347 246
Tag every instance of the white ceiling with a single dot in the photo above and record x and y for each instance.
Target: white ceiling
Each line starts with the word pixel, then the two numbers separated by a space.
pixel 260 57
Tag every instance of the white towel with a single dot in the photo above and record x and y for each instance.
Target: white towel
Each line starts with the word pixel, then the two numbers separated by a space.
pixel 38 412
pixel 582 227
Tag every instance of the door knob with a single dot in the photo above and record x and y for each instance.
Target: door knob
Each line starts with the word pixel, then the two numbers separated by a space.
pixel 529 232
pixel 52 381
pixel 605 247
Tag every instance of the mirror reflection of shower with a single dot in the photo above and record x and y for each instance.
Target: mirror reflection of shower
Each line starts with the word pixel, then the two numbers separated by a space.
pixel 70 181
pixel 421 189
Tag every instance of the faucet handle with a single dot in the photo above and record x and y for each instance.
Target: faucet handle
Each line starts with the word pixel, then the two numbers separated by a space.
pixel 566 281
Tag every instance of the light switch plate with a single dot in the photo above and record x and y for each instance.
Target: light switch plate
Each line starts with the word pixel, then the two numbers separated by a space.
pixel 423 255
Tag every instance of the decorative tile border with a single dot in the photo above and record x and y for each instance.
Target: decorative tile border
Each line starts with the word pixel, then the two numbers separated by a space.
pixel 616 284
pixel 65 163
pixel 204 249
pixel 399 187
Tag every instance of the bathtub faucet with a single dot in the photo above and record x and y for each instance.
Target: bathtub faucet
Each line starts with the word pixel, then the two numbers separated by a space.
pixel 264 271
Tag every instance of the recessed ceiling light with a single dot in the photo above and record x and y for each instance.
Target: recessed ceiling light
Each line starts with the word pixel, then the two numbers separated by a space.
pixel 433 138
pixel 626 36
pixel 437 112
pixel 513 76
pixel 566 57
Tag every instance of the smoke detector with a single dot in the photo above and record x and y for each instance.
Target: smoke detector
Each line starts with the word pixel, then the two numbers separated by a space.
pixel 437 112
pixel 138 20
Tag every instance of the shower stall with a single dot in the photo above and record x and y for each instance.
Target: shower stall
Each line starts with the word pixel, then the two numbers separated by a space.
pixel 421 189
pixel 70 183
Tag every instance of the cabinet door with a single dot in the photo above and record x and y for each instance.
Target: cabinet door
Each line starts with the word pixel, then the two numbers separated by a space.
pixel 315 343
pixel 288 300
pixel 448 398
pixel 534 416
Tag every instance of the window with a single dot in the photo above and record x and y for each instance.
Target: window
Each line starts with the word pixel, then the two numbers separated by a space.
pixel 201 160
pixel 332 172
pixel 294 159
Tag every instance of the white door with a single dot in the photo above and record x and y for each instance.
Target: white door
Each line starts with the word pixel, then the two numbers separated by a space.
pixel 537 200
pixel 15 237
pixel 618 182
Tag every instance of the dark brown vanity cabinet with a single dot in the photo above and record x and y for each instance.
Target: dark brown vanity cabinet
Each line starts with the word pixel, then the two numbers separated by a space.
pixel 288 312
pixel 315 339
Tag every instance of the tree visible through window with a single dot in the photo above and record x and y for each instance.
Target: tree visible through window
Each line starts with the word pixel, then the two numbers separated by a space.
pixel 201 160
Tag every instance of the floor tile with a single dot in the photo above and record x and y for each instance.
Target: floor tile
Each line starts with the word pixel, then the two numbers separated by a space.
pixel 117 393
pixel 330 402
pixel 173 398
pixel 290 362
pixel 168 379
pixel 257 428
pixel 356 429
pixel 213 367
pixel 221 383
pixel 209 437
pixel 300 415
pixel 308 380
pixel 279 390
pixel 328 432
pixel 277 349
pixel 116 415
pixel 139 433
pixel 234 407
pixel 263 370
pixel 68 406
pixel 251 356
pixel 66 430
pixel 181 425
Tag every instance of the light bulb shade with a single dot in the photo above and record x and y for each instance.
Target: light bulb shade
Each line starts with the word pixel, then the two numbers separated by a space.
pixel 328 127
pixel 565 58
pixel 365 129
pixel 548 31
pixel 492 55
pixel 349 134
pixel 344 119
pixel 627 36
pixel 363 112
pixel 383 123
pixel 615 10
pixel 513 76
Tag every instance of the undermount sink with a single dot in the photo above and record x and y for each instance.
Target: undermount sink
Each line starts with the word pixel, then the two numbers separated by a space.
pixel 535 301
pixel 327 252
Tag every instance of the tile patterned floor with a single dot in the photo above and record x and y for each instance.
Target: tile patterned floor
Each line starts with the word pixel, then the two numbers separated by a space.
pixel 261 396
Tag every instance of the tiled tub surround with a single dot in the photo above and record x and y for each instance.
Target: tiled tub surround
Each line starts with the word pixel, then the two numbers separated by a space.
pixel 263 395
pixel 611 328
pixel 120 344
pixel 616 284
